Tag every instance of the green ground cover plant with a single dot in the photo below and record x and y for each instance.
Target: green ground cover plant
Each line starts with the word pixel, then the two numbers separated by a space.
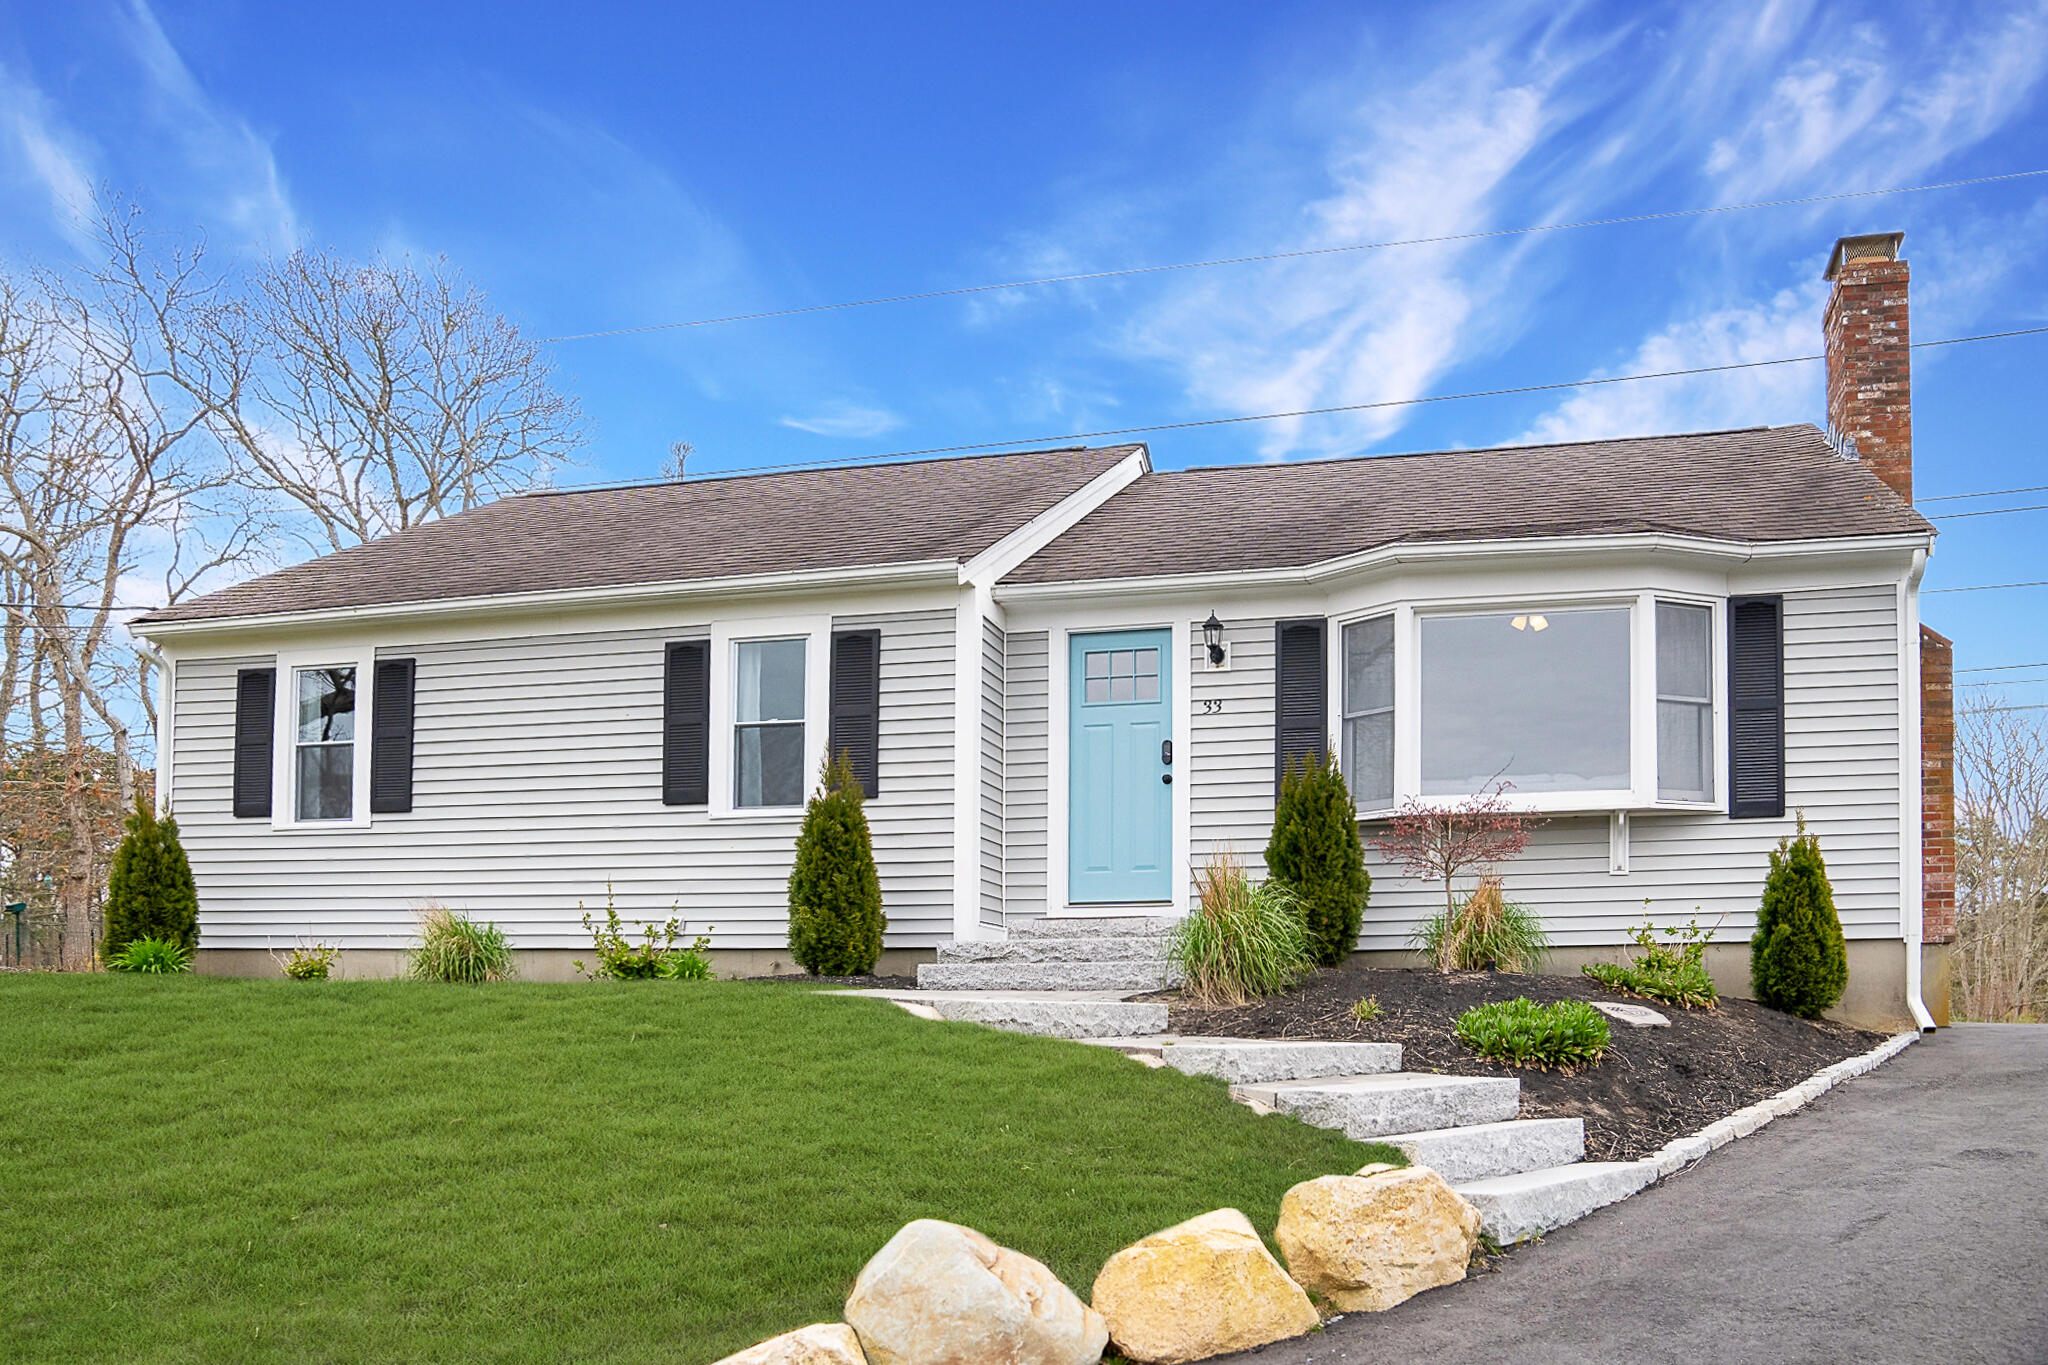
pixel 152 957
pixel 593 1172
pixel 1673 971
pixel 1242 942
pixel 1566 1034
pixel 311 962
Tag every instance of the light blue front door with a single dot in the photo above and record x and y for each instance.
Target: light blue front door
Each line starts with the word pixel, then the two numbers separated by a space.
pixel 1119 769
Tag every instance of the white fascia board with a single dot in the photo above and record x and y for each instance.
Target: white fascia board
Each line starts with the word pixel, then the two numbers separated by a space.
pixel 991 564
pixel 935 571
pixel 1432 553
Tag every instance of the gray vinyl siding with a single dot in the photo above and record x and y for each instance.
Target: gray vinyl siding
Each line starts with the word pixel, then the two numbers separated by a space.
pixel 537 780
pixel 1025 773
pixel 991 774
pixel 1231 810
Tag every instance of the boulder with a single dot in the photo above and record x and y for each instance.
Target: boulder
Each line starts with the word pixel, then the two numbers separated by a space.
pixel 823 1343
pixel 1367 1242
pixel 941 1294
pixel 1202 1288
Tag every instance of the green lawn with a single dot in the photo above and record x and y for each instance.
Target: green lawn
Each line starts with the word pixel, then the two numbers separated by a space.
pixel 212 1170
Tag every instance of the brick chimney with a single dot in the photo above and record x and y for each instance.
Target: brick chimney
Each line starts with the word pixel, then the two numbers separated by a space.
pixel 1870 368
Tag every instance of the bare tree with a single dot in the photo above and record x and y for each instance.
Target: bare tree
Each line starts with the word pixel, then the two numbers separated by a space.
pixel 388 395
pixel 1439 841
pixel 105 469
pixel 2001 949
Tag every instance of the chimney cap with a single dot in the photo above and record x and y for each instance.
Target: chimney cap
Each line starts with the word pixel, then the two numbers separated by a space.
pixel 1870 246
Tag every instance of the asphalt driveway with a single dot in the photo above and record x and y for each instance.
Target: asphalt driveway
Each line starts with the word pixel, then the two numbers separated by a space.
pixel 1901 1217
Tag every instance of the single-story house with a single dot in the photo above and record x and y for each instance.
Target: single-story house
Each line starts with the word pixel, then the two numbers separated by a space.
pixel 1066 678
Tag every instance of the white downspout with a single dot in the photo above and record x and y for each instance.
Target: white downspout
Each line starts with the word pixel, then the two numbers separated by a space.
pixel 1912 870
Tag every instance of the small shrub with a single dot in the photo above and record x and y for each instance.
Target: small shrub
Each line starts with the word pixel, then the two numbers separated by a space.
pixel 152 957
pixel 1567 1034
pixel 1366 1010
pixel 1243 941
pixel 1797 960
pixel 686 964
pixel 313 963
pixel 150 891
pixel 1673 972
pixel 1490 934
pixel 1315 852
pixel 455 948
pixel 835 894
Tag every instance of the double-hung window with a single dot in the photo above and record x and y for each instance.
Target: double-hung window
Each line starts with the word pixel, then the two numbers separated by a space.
pixel 1685 702
pixel 324 743
pixel 1369 711
pixel 768 723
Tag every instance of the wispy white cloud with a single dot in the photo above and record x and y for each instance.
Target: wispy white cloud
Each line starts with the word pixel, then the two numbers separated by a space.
pixel 847 420
pixel 226 165
pixel 48 154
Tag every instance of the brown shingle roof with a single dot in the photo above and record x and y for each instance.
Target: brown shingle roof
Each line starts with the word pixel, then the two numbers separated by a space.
pixel 861 516
pixel 1759 484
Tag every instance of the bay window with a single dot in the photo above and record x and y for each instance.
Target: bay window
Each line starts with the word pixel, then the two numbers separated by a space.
pixel 768 723
pixel 1573 705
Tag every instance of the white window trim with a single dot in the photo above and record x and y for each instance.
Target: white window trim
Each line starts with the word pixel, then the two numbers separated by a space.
pixel 1639 795
pixel 726 635
pixel 284 790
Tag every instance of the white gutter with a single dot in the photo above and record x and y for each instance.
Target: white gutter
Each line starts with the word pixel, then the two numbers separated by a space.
pixel 933 571
pixel 1465 551
pixel 1912 884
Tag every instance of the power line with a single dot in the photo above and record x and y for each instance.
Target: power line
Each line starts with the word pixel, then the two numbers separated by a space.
pixel 957 291
pixel 1988 493
pixel 1991 512
pixel 1991 587
pixel 2002 668
pixel 2004 682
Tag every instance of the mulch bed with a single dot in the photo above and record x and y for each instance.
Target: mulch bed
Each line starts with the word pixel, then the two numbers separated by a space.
pixel 1654 1084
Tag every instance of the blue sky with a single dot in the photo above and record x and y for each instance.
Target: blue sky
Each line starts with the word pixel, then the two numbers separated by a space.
pixel 613 166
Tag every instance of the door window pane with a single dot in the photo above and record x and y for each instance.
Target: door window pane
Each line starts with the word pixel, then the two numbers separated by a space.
pixel 1685 702
pixel 768 730
pixel 1120 675
pixel 1369 711
pixel 323 767
pixel 1539 699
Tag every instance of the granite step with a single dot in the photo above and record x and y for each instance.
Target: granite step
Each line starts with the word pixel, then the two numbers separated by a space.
pixel 1247 1061
pixel 1514 1208
pixel 1074 926
pixel 1098 949
pixel 1371 1106
pixel 1481 1151
pixel 1046 976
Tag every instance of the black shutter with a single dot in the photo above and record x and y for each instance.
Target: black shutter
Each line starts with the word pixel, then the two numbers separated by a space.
pixel 255 736
pixel 686 725
pixel 857 704
pixel 391 738
pixel 1756 706
pixel 1301 720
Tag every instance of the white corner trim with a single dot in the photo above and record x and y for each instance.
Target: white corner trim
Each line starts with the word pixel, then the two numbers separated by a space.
pixel 1912 838
pixel 967 633
pixel 991 564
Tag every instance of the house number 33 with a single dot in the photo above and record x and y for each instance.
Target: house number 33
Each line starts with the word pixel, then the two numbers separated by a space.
pixel 1212 706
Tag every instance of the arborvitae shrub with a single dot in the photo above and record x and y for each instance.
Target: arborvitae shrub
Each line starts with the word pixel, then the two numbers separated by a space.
pixel 150 892
pixel 1315 852
pixel 835 896
pixel 1797 961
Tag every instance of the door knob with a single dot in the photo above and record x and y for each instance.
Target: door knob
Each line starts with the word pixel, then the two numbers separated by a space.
pixel 1167 778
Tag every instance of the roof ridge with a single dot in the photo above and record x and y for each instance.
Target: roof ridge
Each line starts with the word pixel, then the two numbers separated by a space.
pixel 879 462
pixel 1476 450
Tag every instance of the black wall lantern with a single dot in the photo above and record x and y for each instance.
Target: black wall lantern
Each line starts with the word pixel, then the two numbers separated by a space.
pixel 1212 635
